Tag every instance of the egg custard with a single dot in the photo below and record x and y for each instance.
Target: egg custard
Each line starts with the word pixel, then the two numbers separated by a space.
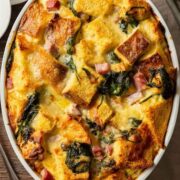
pixel 90 86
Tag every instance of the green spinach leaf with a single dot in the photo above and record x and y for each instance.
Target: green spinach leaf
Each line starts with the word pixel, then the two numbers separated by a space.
pixel 115 83
pixel 112 58
pixel 94 128
pixel 135 122
pixel 30 111
pixel 166 83
pixel 75 152
pixel 69 45
pixel 10 59
pixel 71 6
pixel 126 22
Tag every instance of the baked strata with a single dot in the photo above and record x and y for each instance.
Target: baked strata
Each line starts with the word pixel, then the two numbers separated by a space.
pixel 90 86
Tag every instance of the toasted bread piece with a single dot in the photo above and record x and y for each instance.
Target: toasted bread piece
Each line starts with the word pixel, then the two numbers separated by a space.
pixel 153 62
pixel 82 86
pixel 138 154
pixel 44 68
pixel 67 131
pixel 100 111
pixel 60 29
pixel 62 171
pixel 34 20
pixel 86 52
pixel 157 117
pixel 133 48
pixel 93 7
pixel 100 31
pixel 119 175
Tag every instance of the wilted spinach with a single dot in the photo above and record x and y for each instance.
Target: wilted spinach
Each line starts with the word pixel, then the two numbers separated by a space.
pixel 126 134
pixel 153 73
pixel 75 152
pixel 115 83
pixel 69 45
pixel 110 163
pixel 108 138
pixel 72 66
pixel 91 77
pixel 10 59
pixel 149 97
pixel 124 26
pixel 124 23
pixel 70 63
pixel 135 122
pixel 112 58
pixel 167 84
pixel 30 111
pixel 71 6
pixel 26 133
pixel 94 128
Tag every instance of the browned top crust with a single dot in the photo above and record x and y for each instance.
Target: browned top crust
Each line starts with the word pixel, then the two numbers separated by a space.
pixel 60 29
pixel 34 20
pixel 153 62
pixel 133 48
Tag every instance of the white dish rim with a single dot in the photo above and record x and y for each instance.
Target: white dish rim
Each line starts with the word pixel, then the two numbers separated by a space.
pixel 174 112
pixel 14 2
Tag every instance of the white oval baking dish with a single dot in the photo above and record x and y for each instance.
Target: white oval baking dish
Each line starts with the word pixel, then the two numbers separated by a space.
pixel 174 112
pixel 14 2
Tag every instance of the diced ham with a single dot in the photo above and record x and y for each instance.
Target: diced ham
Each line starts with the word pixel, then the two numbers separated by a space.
pixel 51 48
pixel 73 110
pixel 102 68
pixel 46 175
pixel 134 97
pixel 135 138
pixel 97 151
pixel 61 29
pixel 140 81
pixel 109 150
pixel 9 83
pixel 36 152
pixel 53 5
pixel 50 45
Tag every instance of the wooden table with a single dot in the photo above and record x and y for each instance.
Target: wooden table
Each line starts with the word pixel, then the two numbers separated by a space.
pixel 169 167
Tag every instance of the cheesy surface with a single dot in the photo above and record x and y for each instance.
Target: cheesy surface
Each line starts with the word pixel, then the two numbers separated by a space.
pixel 90 86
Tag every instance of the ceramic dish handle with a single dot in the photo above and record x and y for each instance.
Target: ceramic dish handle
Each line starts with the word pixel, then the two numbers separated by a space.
pixel 175 7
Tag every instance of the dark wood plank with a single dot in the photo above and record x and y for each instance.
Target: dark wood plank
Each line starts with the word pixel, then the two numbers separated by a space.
pixel 169 167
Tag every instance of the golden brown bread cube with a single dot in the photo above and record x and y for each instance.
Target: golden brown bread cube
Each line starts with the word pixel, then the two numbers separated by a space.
pixel 82 86
pixel 34 20
pixel 44 68
pixel 93 7
pixel 67 131
pixel 157 117
pixel 132 48
pixel 60 29
pixel 100 111
pixel 134 152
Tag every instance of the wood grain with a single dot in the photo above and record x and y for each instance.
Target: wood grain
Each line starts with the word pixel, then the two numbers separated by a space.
pixel 168 168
